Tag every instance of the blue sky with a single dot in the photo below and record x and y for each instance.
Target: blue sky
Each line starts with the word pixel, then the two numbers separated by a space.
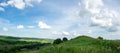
pixel 60 18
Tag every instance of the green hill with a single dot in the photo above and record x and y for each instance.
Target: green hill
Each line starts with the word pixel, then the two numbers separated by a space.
pixel 10 38
pixel 10 44
pixel 83 44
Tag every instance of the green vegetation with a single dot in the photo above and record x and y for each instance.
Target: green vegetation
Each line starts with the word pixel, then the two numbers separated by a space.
pixel 15 44
pixel 84 44
pixel 81 44
pixel 65 39
pixel 9 38
pixel 57 41
pixel 100 38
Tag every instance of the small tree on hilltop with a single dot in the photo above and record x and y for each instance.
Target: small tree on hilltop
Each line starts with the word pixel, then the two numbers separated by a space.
pixel 57 41
pixel 65 39
pixel 101 38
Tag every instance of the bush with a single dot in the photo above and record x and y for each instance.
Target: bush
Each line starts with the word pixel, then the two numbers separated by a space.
pixel 57 41
pixel 101 38
pixel 115 45
pixel 65 39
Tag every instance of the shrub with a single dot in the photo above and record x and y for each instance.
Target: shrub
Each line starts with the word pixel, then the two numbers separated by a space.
pixel 57 41
pixel 101 38
pixel 65 39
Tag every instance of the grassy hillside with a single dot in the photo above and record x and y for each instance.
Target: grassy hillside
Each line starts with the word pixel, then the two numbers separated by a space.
pixel 9 38
pixel 13 44
pixel 83 44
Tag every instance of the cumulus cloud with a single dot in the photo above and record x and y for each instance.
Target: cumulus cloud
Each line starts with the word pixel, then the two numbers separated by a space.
pixel 5 29
pixel 90 7
pixel 65 33
pixel 31 26
pixel 61 33
pixel 93 6
pixel 99 15
pixel 56 33
pixel 20 27
pixel 103 22
pixel 90 31
pixel 29 3
pixel 19 4
pixel 43 25
pixel 3 4
pixel 113 29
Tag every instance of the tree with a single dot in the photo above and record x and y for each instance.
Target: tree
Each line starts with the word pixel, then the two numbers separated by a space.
pixel 57 41
pixel 101 38
pixel 65 39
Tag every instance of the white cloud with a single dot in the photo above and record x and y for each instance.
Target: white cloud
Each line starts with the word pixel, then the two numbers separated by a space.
pixel 90 31
pixel 29 3
pixel 20 27
pixel 90 7
pixel 99 15
pixel 74 33
pixel 20 4
pixel 39 1
pixel 56 33
pixel 61 33
pixel 31 26
pixel 3 4
pixel 43 25
pixel 65 33
pixel 102 22
pixel 93 6
pixel 5 29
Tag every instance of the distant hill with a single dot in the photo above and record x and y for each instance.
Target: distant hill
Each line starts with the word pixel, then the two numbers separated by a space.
pixel 10 44
pixel 84 44
pixel 10 38
pixel 81 44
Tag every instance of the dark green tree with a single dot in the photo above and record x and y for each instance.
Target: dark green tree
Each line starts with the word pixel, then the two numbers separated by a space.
pixel 57 41
pixel 65 39
pixel 101 38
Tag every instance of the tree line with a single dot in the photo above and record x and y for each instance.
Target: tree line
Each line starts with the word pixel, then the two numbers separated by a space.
pixel 58 40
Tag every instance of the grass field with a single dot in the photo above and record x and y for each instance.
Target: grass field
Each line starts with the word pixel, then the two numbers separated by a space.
pixel 81 44
pixel 14 44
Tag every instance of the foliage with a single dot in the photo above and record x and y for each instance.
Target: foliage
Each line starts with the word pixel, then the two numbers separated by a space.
pixel 14 44
pixel 100 38
pixel 81 44
pixel 84 44
pixel 57 41
pixel 65 39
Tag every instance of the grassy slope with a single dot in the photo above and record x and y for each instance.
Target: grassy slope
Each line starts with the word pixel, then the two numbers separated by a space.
pixel 8 43
pixel 81 44
pixel 9 38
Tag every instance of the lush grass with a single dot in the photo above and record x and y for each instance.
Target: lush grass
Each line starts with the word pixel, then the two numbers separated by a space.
pixel 14 44
pixel 9 38
pixel 81 44
pixel 84 44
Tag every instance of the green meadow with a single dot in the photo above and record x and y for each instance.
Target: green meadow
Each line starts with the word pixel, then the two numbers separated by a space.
pixel 81 44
